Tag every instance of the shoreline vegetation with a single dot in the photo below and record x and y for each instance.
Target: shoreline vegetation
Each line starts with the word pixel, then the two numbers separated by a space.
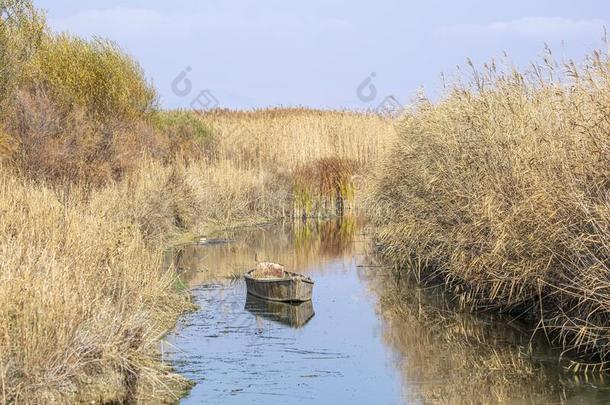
pixel 96 181
pixel 500 190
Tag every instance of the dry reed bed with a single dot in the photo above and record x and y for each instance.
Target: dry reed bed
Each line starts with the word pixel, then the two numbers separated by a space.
pixel 83 301
pixel 503 191
pixel 289 138
pixel 322 156
pixel 84 298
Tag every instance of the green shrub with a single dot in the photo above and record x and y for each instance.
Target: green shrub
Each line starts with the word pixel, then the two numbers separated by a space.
pixel 21 30
pixel 95 75
pixel 180 121
pixel 185 135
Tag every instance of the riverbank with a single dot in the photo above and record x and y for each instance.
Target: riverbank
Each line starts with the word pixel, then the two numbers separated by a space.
pixel 84 296
pixel 96 181
pixel 501 191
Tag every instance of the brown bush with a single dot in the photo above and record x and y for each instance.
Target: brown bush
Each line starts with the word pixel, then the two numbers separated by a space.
pixel 60 146
pixel 327 181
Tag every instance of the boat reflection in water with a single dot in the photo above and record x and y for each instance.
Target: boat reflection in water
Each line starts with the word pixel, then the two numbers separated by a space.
pixel 295 315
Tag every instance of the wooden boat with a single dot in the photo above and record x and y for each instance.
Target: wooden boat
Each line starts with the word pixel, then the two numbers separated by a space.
pixel 295 315
pixel 271 281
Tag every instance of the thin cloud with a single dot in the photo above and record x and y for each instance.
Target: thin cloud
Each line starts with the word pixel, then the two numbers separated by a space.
pixel 532 27
pixel 121 22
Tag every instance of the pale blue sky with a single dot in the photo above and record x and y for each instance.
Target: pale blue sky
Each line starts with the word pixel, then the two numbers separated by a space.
pixel 315 53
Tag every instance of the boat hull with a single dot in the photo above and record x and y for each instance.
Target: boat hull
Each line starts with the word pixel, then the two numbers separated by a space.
pixel 294 288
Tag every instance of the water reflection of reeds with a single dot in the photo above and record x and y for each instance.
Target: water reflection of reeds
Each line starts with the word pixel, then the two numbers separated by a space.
pixel 300 246
pixel 443 354
pixel 447 356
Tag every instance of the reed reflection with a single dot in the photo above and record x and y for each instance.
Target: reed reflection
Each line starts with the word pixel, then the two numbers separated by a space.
pixel 447 356
pixel 301 246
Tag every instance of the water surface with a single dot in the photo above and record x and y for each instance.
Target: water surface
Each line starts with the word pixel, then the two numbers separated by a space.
pixel 367 337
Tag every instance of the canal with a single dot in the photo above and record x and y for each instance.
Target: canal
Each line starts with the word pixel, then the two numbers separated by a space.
pixel 367 337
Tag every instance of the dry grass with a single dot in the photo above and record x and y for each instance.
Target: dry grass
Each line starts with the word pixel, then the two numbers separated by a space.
pixel 503 190
pixel 298 136
pixel 322 154
pixel 83 301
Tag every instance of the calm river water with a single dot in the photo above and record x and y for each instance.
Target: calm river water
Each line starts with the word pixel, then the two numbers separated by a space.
pixel 367 337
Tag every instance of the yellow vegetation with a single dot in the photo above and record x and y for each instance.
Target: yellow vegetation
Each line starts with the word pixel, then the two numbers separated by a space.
pixel 95 75
pixel 503 190
pixel 95 183
pixel 83 301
